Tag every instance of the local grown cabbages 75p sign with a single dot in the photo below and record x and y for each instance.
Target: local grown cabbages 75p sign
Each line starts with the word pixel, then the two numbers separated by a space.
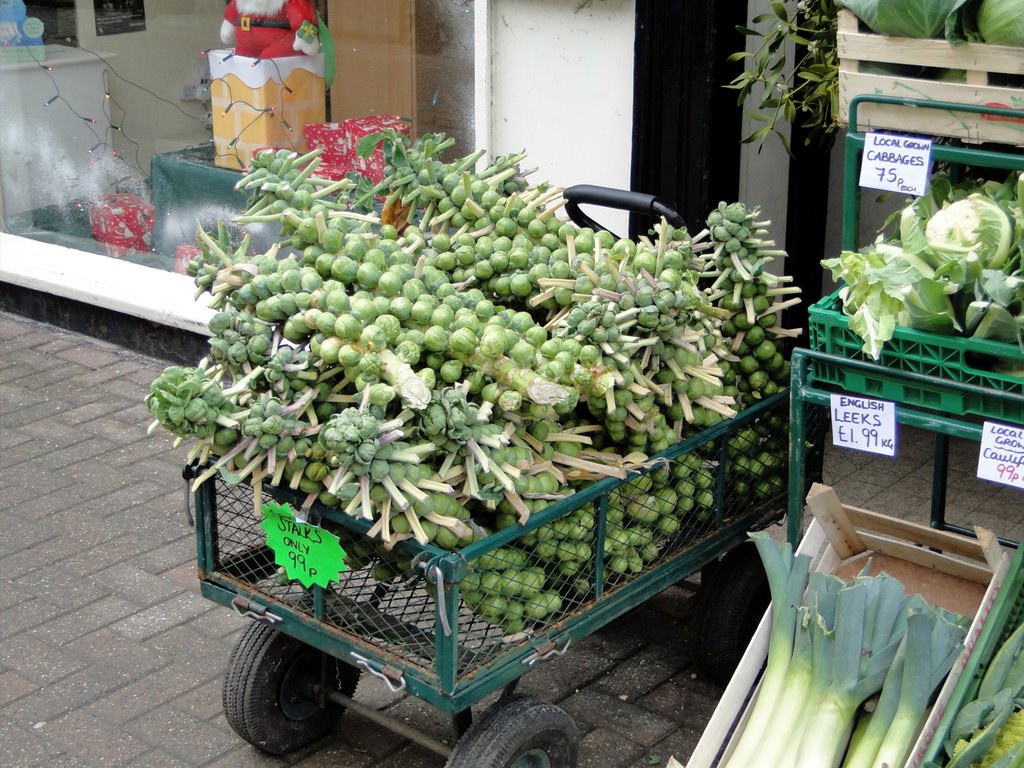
pixel 308 553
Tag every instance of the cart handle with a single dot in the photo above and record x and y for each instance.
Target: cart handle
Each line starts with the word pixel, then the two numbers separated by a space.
pixel 609 197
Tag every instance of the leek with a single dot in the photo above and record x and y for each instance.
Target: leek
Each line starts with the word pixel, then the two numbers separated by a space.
pixel 787 579
pixel 931 645
pixel 810 652
pixel 869 623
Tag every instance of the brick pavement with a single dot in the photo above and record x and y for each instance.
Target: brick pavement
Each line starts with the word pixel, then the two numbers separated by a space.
pixel 110 657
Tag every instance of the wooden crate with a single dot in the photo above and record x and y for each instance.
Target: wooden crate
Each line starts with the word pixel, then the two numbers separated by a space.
pixel 859 50
pixel 955 572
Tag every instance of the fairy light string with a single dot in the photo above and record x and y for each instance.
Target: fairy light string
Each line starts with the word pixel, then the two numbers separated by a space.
pixel 116 119
pixel 260 112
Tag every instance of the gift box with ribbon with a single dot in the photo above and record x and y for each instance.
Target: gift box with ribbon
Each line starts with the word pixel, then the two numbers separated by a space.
pixel 123 222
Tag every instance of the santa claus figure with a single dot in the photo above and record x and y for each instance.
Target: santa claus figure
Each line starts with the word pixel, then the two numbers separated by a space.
pixel 267 29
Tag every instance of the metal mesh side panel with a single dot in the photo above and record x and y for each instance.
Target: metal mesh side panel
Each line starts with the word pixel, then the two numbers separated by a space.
pixel 544 577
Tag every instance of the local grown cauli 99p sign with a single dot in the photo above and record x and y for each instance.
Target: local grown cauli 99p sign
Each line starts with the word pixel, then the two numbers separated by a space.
pixel 308 553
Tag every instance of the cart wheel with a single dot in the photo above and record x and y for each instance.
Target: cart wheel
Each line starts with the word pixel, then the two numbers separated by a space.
pixel 519 732
pixel 733 598
pixel 265 690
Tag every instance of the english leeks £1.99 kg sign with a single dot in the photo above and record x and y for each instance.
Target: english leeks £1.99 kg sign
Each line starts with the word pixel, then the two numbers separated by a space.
pixel 864 424
pixel 308 553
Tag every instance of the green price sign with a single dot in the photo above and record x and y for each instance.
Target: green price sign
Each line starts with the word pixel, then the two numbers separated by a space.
pixel 307 553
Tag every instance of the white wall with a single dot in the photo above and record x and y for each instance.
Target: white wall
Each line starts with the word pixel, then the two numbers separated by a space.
pixel 159 59
pixel 555 77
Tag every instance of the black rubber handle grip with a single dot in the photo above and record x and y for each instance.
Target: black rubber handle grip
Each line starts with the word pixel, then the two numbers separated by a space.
pixel 609 197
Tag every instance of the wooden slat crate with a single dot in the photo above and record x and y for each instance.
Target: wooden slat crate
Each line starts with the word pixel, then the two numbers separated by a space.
pixel 859 50
pixel 958 573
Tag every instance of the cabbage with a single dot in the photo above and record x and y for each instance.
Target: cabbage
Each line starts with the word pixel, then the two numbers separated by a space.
pixel 976 225
pixel 904 18
pixel 953 268
pixel 1001 22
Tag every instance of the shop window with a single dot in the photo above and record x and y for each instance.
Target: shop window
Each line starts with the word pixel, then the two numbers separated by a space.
pixel 107 142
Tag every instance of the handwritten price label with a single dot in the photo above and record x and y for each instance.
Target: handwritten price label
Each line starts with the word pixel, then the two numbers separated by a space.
pixel 896 163
pixel 307 553
pixel 1001 458
pixel 864 424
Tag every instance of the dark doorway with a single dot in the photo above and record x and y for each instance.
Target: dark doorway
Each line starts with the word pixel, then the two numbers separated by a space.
pixel 686 126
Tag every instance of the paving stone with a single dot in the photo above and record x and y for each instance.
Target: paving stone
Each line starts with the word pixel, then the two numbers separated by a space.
pixel 66 760
pixel 201 656
pixel 411 756
pixel 128 392
pixel 63 589
pixel 602 748
pixel 95 740
pixel 365 737
pixel 119 432
pixel 643 671
pixel 617 640
pixel 119 657
pixel 217 622
pixel 244 756
pixel 70 626
pixel 429 720
pixel 9 438
pixel 14 397
pixel 157 758
pixel 11 594
pixel 15 495
pixel 25 748
pixel 128 456
pixel 87 413
pixel 172 612
pixel 135 585
pixel 173 561
pixel 75 453
pixel 32 361
pixel 28 614
pixel 14 686
pixel 90 355
pixel 70 693
pixel 122 548
pixel 20 457
pixel 154 690
pixel 678 744
pixel 186 575
pixel 204 701
pixel 73 492
pixel 335 754
pixel 180 734
pixel 560 678
pixel 591 708
pixel 37 660
pixel 678 702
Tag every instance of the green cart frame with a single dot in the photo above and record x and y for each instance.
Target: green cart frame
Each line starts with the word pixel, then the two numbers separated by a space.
pixel 416 634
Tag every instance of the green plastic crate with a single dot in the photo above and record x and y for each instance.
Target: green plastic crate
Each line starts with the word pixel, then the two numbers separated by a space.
pixel 949 358
pixel 1007 614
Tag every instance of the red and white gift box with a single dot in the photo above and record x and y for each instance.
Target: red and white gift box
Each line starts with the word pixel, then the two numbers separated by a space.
pixel 123 222
pixel 183 254
pixel 339 141
pixel 356 128
pixel 330 138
